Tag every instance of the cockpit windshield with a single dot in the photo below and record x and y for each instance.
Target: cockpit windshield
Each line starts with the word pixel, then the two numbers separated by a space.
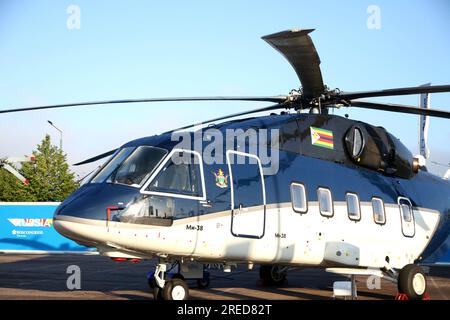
pixel 138 166
pixel 131 166
pixel 112 165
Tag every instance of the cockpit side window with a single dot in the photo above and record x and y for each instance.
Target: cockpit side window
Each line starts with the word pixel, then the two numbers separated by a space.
pixel 180 175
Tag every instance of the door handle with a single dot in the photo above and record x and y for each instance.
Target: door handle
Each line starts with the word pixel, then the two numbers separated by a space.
pixel 239 209
pixel 206 203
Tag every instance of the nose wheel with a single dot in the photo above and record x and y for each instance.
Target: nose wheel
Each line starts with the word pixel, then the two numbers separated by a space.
pixel 165 288
pixel 170 284
pixel 175 289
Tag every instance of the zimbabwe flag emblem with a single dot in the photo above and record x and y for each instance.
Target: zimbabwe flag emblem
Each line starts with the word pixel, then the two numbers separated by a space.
pixel 322 138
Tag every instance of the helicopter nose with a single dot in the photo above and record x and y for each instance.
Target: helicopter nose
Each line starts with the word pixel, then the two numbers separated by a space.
pixel 81 217
pixel 91 201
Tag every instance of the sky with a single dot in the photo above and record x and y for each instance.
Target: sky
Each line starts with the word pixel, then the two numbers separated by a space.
pixel 144 49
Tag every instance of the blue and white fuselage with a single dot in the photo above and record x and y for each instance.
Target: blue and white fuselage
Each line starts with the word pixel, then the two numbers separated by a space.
pixel 319 207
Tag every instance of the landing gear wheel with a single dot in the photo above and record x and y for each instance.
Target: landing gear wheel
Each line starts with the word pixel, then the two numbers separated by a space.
pixel 412 282
pixel 175 289
pixel 203 283
pixel 272 275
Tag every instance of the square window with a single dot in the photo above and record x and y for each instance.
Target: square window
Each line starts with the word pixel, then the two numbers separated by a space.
pixel 379 214
pixel 298 197
pixel 406 212
pixel 353 206
pixel 180 175
pixel 325 202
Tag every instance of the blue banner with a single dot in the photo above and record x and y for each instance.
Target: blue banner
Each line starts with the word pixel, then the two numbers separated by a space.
pixel 28 226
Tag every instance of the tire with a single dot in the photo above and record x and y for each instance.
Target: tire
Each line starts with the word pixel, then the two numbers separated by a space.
pixel 203 283
pixel 270 275
pixel 175 289
pixel 412 282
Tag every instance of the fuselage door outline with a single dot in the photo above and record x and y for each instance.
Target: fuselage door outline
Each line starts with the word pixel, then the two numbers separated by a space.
pixel 232 208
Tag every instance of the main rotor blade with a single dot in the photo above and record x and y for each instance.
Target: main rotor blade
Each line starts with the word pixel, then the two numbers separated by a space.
pixel 269 108
pixel 93 159
pixel 298 48
pixel 401 108
pixel 394 92
pixel 178 99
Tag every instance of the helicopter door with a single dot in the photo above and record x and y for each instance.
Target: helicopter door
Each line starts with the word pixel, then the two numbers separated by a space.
pixel 248 198
pixel 407 217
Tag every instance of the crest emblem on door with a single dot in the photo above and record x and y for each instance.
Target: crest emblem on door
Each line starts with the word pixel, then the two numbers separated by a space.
pixel 221 179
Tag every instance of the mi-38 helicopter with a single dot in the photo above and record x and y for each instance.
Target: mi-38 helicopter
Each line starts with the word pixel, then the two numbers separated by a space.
pixel 343 193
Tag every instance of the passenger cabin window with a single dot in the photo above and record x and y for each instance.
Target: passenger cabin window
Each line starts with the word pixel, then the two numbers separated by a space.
pixel 407 217
pixel 325 202
pixel 180 175
pixel 298 197
pixel 379 214
pixel 353 206
pixel 406 212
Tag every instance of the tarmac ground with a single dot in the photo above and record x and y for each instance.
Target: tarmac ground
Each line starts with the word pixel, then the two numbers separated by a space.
pixel 24 277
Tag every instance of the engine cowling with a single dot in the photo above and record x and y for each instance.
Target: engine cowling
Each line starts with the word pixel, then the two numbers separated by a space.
pixel 375 148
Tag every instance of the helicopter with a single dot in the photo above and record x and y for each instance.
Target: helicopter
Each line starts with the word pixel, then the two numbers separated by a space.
pixel 301 187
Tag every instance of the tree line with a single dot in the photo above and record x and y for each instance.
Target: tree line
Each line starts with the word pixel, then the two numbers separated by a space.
pixel 49 176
